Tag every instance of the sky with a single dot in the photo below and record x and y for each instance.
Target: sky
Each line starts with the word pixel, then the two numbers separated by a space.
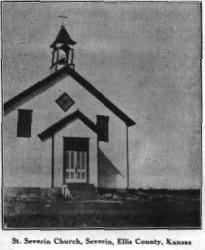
pixel 144 56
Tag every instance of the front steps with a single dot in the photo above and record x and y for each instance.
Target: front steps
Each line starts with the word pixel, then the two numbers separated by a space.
pixel 82 191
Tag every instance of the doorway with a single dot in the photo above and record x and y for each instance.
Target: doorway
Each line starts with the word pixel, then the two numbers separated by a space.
pixel 76 160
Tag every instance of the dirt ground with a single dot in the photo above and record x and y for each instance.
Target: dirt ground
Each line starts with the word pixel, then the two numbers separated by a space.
pixel 139 209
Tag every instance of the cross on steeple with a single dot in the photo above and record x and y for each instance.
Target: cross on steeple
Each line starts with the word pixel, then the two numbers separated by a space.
pixel 63 17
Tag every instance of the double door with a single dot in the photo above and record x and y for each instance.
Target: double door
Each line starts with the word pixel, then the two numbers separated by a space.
pixel 76 157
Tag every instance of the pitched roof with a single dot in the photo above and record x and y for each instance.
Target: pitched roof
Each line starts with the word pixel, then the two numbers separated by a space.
pixel 34 90
pixel 63 122
pixel 129 122
pixel 63 37
pixel 49 81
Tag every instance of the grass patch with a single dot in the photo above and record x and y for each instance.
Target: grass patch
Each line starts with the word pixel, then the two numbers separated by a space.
pixel 136 209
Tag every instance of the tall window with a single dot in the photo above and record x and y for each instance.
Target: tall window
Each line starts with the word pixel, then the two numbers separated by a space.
pixel 24 123
pixel 103 128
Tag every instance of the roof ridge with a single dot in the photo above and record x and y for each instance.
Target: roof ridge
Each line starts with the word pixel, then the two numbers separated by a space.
pixel 82 81
pixel 43 85
pixel 39 85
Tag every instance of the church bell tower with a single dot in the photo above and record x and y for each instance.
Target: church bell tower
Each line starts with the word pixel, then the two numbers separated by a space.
pixel 63 53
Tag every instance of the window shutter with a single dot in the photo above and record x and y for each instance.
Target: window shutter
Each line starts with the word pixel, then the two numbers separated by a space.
pixel 25 116
pixel 103 128
pixel 24 123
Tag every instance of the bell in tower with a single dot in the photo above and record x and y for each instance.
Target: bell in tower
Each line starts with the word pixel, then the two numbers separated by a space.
pixel 62 53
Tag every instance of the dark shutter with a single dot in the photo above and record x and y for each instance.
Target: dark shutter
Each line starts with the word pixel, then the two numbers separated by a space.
pixel 24 116
pixel 24 123
pixel 103 128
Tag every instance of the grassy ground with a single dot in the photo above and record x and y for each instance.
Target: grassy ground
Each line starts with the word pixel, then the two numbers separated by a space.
pixel 140 208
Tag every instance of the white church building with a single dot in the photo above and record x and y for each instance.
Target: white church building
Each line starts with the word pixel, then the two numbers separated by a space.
pixel 63 131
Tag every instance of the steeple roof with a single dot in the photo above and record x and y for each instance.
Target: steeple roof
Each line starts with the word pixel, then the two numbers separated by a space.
pixel 63 38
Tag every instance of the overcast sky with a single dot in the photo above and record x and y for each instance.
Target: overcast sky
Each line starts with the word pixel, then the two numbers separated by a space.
pixel 145 57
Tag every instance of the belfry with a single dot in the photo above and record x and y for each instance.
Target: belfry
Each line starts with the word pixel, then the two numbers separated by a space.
pixel 62 53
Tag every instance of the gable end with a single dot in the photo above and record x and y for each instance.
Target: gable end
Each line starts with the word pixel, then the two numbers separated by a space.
pixel 49 81
pixel 68 119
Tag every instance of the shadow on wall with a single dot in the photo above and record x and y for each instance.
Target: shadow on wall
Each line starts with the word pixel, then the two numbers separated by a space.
pixel 107 172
